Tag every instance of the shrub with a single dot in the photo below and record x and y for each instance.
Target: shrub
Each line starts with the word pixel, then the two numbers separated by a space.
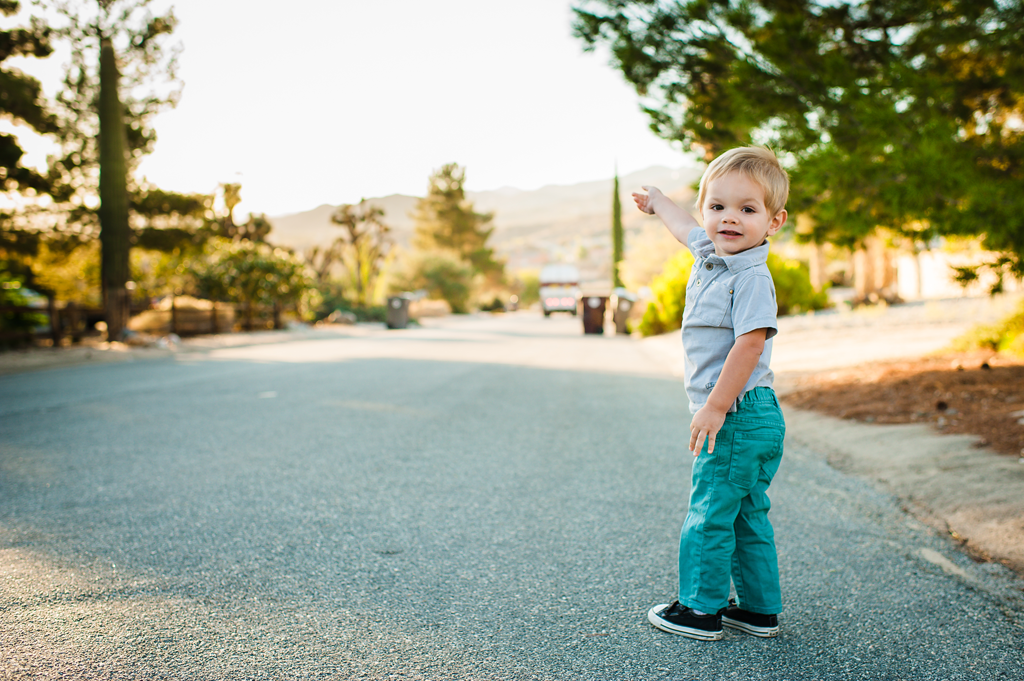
pixel 527 287
pixel 496 305
pixel 1005 336
pixel 442 274
pixel 256 274
pixel 665 312
pixel 13 294
pixel 793 292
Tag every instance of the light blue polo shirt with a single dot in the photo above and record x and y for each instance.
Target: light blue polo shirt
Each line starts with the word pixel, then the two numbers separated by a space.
pixel 725 298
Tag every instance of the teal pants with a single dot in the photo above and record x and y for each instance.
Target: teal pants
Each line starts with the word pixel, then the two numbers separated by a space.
pixel 727 532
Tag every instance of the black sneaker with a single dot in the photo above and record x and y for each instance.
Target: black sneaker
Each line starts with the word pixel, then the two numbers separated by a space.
pixel 753 623
pixel 678 619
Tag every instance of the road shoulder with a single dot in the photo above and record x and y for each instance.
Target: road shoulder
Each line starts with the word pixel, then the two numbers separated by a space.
pixel 100 352
pixel 973 494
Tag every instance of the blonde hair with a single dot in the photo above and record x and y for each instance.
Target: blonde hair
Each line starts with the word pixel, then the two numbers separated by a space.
pixel 757 163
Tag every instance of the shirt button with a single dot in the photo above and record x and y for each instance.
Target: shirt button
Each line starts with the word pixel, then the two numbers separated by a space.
pixel 698 282
pixel 709 266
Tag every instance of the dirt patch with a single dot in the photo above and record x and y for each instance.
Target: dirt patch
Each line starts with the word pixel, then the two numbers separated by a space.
pixel 967 393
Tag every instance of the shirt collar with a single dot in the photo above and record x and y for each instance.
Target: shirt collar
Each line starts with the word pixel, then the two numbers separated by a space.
pixel 753 257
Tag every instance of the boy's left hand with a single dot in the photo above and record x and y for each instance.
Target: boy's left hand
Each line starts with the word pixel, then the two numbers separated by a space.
pixel 705 424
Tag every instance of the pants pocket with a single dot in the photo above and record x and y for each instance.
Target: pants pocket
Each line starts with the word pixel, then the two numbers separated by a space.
pixel 750 451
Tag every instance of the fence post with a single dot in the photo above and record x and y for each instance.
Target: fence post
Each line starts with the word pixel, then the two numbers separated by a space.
pixel 71 321
pixel 213 317
pixel 174 314
pixel 51 306
pixel 277 315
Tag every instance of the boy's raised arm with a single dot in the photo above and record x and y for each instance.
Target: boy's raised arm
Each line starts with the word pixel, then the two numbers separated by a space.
pixel 678 221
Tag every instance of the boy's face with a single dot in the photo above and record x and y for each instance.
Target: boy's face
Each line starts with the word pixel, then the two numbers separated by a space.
pixel 735 217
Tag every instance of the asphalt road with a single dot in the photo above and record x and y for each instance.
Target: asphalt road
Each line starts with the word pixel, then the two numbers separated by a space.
pixel 482 498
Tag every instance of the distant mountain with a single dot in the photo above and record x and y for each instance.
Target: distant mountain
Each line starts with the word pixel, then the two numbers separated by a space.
pixel 554 223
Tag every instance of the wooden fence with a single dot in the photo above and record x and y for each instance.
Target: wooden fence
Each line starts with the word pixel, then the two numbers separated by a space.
pixel 76 321
pixel 68 320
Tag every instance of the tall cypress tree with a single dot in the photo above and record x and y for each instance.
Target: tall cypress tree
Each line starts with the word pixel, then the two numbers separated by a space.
pixel 119 75
pixel 617 235
pixel 115 234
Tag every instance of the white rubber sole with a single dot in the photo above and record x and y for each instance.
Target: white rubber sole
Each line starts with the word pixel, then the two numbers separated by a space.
pixel 689 632
pixel 763 632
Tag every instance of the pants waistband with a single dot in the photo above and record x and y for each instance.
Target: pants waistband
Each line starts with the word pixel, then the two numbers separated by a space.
pixel 760 394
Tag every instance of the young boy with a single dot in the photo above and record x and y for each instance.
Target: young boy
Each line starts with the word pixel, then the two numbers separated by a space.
pixel 728 324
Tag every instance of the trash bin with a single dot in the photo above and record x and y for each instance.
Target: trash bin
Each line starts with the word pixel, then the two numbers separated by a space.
pixel 398 312
pixel 593 313
pixel 622 303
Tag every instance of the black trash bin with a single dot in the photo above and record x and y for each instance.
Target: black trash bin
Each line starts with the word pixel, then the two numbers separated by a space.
pixel 593 313
pixel 622 302
pixel 398 312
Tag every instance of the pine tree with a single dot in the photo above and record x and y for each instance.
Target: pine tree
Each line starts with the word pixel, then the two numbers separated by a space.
pixel 22 99
pixel 21 102
pixel 446 221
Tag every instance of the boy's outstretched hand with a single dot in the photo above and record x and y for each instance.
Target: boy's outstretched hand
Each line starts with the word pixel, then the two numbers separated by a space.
pixel 645 202
pixel 705 424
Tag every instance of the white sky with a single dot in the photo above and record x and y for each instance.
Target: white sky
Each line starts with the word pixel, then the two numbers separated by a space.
pixel 312 102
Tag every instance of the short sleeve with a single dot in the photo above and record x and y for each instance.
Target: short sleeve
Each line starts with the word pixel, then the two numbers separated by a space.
pixel 754 306
pixel 696 235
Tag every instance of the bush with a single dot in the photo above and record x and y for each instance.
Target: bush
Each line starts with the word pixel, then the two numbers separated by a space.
pixel 255 274
pixel 494 306
pixel 13 294
pixel 527 287
pixel 1005 336
pixel 665 312
pixel 443 275
pixel 793 292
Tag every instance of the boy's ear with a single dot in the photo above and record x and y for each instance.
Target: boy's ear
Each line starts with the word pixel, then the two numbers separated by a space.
pixel 777 222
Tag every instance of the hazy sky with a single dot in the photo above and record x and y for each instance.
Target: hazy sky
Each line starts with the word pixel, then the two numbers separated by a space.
pixel 311 102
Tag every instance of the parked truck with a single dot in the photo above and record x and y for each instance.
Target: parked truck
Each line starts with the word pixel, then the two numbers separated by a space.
pixel 559 289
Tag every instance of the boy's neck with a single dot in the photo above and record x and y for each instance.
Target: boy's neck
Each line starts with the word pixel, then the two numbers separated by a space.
pixel 745 250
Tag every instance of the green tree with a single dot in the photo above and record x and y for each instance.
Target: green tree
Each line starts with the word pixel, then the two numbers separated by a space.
pixel 166 221
pixel 256 228
pixel 900 114
pixel 446 221
pixel 362 249
pixel 232 194
pixel 617 234
pixel 21 102
pixel 109 97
